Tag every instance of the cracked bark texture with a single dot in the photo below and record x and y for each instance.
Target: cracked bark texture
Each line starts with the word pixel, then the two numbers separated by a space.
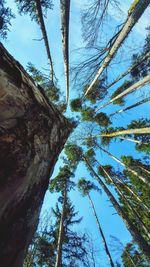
pixel 32 135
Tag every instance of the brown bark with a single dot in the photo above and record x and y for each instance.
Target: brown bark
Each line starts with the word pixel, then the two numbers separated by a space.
pixel 32 135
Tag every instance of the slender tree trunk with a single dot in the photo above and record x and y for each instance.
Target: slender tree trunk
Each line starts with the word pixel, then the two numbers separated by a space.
pixel 129 24
pixel 101 232
pixel 61 231
pixel 132 140
pixel 132 229
pixel 43 29
pixel 121 163
pixel 130 107
pixel 32 135
pixel 132 193
pixel 132 88
pixel 143 58
pixel 65 14
pixel 145 170
pixel 134 212
pixel 145 130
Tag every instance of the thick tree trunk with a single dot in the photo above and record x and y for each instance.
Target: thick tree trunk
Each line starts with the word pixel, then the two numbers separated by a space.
pixel 61 231
pixel 129 24
pixel 65 14
pixel 132 88
pixel 101 232
pixel 131 227
pixel 44 33
pixel 32 135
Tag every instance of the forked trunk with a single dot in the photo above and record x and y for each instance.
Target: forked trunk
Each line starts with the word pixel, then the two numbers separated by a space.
pixel 132 19
pixel 101 232
pixel 131 227
pixel 32 135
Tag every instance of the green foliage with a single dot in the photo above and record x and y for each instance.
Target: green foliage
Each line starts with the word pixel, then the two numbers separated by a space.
pixel 143 148
pixel 87 114
pixel 143 138
pixel 74 153
pixel 43 249
pixel 90 153
pixel 76 105
pixel 132 254
pixel 109 169
pixel 58 183
pixel 29 7
pixel 123 87
pixel 102 119
pixel 90 142
pixel 142 69
pixel 52 92
pixel 5 16
pixel 85 186
pixel 98 91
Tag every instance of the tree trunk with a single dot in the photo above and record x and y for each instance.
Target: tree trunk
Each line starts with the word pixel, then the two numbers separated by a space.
pixel 127 27
pixel 147 55
pixel 130 107
pixel 128 168
pixel 32 135
pixel 145 130
pixel 132 229
pixel 132 140
pixel 101 232
pixel 134 212
pixel 132 88
pixel 43 29
pixel 65 13
pixel 61 231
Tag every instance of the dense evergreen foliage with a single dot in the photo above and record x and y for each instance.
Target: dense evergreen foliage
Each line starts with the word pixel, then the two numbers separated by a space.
pixel 110 151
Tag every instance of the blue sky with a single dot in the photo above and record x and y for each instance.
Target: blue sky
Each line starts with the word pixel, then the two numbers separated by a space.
pixel 21 45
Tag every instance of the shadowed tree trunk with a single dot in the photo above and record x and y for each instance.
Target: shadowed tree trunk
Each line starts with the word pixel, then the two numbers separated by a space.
pixel 32 135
